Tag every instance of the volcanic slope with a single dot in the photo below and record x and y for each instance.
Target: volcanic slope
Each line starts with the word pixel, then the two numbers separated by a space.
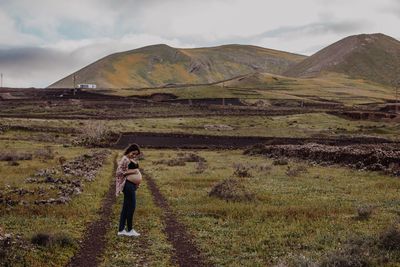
pixel 373 57
pixel 160 65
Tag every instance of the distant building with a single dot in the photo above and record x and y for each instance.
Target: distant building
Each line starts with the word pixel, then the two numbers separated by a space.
pixel 86 86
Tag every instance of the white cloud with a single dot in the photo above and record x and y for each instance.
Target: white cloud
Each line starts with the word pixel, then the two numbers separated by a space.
pixel 74 33
pixel 41 66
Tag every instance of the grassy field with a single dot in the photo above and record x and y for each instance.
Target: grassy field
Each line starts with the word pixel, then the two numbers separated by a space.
pixel 292 218
pixel 328 87
pixel 292 213
pixel 299 125
pixel 65 223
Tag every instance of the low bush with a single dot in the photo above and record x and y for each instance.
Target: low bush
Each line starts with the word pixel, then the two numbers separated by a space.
pixel 390 238
pixel 282 161
pixel 265 167
pixel 232 189
pixel 14 156
pixel 49 240
pixel 350 256
pixel 296 171
pixel 191 157
pixel 45 153
pixel 201 167
pixel 241 170
pixel 42 239
pixel 364 212
pixel 95 134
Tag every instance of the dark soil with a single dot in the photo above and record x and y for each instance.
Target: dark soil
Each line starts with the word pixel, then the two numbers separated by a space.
pixel 169 140
pixel 186 253
pixel 365 115
pixel 94 241
pixel 378 157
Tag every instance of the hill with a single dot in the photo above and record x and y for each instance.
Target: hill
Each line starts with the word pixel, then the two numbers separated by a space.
pixel 373 57
pixel 160 65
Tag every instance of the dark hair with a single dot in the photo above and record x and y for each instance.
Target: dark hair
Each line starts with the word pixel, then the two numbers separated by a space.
pixel 132 147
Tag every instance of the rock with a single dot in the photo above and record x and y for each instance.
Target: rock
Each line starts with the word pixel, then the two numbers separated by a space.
pixel 218 127
pixel 77 191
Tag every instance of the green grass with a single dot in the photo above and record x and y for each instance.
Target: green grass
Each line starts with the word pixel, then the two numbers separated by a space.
pixel 70 219
pixel 15 175
pixel 309 215
pixel 299 125
pixel 329 87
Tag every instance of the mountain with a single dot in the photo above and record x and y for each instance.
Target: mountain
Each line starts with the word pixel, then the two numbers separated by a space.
pixel 160 65
pixel 373 57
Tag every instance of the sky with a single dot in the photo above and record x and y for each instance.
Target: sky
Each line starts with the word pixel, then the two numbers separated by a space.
pixel 42 41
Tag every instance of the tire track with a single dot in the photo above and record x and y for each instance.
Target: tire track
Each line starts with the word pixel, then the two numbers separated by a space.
pixel 186 253
pixel 94 241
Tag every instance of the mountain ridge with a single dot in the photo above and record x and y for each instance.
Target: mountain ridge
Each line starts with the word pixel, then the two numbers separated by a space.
pixel 160 64
pixel 373 57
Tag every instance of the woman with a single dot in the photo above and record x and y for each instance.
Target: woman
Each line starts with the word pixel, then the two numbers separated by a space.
pixel 128 178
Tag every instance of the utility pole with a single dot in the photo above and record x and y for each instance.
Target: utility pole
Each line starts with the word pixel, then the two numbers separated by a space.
pixel 1 78
pixel 74 78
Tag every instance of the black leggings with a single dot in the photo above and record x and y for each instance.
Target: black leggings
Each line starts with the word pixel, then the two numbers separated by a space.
pixel 129 205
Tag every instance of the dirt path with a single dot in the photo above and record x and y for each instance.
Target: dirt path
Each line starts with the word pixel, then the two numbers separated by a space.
pixel 186 252
pixel 94 242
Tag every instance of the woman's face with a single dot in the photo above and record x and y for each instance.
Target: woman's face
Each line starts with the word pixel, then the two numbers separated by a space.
pixel 133 154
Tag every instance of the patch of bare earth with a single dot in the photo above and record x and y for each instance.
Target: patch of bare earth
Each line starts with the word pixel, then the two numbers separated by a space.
pixel 186 252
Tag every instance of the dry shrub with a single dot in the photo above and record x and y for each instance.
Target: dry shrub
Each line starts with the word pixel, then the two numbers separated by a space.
pixel 181 159
pixel 14 156
pixel 296 171
pixel 176 162
pixel 44 137
pixel 390 238
pixel 42 239
pixel 95 134
pixel 364 212
pixel 232 189
pixel 45 153
pixel 49 240
pixel 62 160
pixel 265 167
pixel 13 163
pixel 351 255
pixel 4 128
pixel 394 168
pixel 241 170
pixel 201 166
pixel 190 157
pixel 171 162
pixel 280 162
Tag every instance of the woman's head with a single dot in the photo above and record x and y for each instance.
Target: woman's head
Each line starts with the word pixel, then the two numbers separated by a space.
pixel 132 151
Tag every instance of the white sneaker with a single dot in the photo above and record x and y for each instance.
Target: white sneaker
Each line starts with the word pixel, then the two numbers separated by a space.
pixel 123 232
pixel 132 233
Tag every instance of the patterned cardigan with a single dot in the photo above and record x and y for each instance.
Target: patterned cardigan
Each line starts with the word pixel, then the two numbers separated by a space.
pixel 120 177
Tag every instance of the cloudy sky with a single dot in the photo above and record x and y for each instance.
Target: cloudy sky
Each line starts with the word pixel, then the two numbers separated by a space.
pixel 42 41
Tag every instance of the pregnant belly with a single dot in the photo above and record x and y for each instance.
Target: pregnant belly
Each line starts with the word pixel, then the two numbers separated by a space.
pixel 135 178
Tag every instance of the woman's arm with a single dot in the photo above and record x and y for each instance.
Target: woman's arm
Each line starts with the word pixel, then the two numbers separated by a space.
pixel 120 174
pixel 133 171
